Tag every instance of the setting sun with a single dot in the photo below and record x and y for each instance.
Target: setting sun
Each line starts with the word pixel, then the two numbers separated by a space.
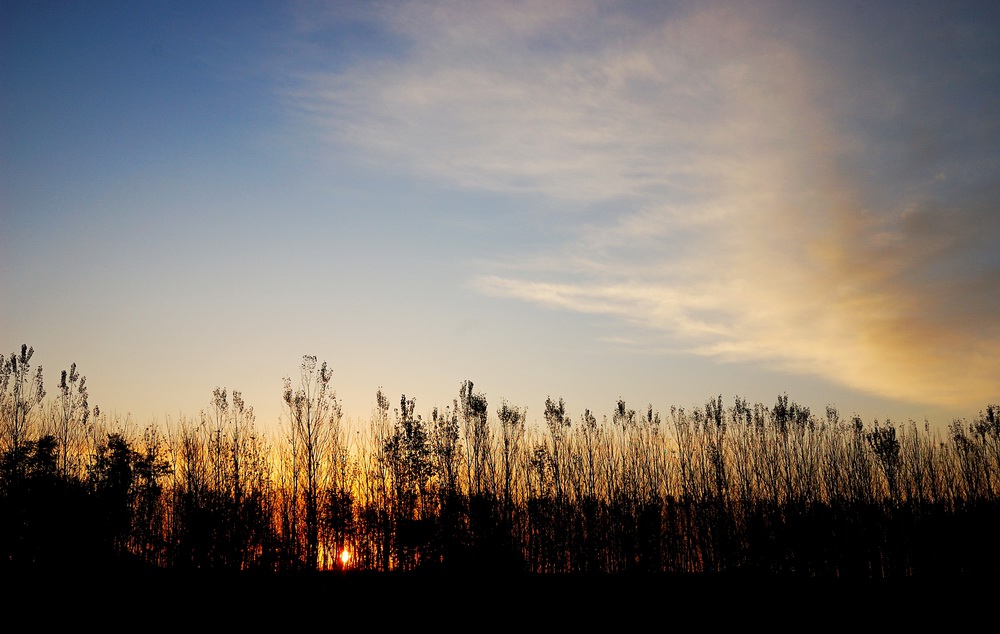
pixel 495 289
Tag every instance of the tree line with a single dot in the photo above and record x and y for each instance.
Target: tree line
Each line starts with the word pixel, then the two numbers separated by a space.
pixel 716 488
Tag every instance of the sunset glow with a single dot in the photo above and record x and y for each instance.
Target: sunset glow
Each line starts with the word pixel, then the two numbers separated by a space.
pixel 655 201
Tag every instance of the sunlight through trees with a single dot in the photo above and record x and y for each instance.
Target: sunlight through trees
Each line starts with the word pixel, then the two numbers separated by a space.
pixel 716 488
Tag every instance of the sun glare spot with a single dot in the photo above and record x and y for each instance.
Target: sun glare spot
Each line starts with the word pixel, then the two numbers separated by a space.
pixel 345 556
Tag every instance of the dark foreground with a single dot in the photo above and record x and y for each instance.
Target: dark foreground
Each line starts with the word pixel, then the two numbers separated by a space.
pixel 480 601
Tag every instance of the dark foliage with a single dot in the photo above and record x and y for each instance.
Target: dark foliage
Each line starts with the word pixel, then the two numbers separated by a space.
pixel 743 490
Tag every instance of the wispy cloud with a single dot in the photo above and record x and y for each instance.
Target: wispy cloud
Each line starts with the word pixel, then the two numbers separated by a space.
pixel 778 197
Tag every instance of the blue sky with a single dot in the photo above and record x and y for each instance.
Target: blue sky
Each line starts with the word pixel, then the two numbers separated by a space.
pixel 653 201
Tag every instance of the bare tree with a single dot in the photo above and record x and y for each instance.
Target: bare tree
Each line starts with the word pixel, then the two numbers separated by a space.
pixel 20 392
pixel 472 408
pixel 73 413
pixel 314 416
pixel 512 432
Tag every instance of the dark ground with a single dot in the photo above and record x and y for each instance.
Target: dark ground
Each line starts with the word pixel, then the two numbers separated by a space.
pixel 154 600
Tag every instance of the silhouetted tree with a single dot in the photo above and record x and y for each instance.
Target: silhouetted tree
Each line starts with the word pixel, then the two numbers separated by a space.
pixel 409 454
pixel 512 435
pixel 126 486
pixel 472 409
pixel 21 391
pixel 314 416
pixel 73 413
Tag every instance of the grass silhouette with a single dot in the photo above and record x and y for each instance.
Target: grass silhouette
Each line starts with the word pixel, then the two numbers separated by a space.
pixel 723 493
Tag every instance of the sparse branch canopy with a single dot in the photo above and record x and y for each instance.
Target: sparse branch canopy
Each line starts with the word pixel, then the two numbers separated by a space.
pixel 473 410
pixel 623 417
pixel 512 430
pixel 749 487
pixel 314 435
pixel 555 418
pixel 20 393
pixel 74 412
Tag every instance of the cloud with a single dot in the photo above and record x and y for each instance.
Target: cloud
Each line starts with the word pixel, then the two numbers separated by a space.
pixel 529 105
pixel 773 195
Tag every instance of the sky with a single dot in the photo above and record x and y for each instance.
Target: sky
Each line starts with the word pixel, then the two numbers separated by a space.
pixel 660 202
